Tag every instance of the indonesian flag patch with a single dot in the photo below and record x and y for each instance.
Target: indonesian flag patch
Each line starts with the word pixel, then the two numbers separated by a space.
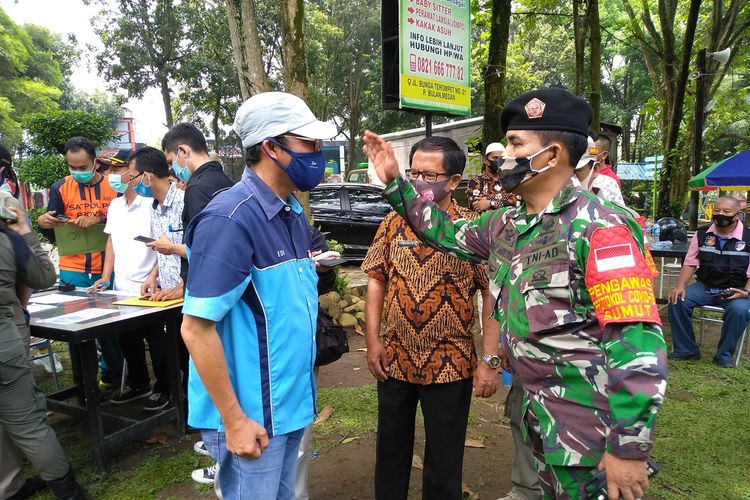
pixel 614 257
pixel 619 279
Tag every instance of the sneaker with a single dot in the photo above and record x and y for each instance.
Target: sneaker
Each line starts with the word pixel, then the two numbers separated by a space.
pixel 131 395
pixel 156 401
pixel 205 476
pixel 684 356
pixel 201 449
pixel 724 363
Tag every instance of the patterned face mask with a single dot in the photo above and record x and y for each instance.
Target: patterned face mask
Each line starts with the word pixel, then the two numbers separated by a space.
pixel 515 170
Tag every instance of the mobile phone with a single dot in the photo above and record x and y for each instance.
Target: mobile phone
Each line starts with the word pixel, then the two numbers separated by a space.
pixel 144 239
pixel 61 217
pixel 721 292
pixel 331 262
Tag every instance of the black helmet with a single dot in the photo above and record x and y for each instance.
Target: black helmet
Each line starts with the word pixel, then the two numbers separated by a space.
pixel 671 229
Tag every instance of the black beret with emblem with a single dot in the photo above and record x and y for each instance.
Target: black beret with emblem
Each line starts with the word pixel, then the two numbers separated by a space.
pixel 547 109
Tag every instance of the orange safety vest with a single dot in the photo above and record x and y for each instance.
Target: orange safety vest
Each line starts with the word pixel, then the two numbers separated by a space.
pixel 80 200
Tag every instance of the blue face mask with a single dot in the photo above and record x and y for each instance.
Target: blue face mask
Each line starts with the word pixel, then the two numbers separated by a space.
pixel 305 170
pixel 115 180
pixel 182 173
pixel 143 190
pixel 82 177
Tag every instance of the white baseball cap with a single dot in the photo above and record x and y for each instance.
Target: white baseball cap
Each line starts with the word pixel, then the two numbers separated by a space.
pixel 589 155
pixel 494 147
pixel 270 114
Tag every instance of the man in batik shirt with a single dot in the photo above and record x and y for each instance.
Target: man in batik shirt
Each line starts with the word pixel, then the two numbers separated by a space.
pixel 426 352
pixel 484 191
pixel 576 304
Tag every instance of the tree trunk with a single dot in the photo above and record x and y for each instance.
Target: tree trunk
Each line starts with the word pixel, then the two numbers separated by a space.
pixel 166 97
pixel 243 32
pixel 626 139
pixel 674 112
pixel 354 118
pixel 579 41
pixel 494 73
pixel 293 47
pixel 215 125
pixel 595 62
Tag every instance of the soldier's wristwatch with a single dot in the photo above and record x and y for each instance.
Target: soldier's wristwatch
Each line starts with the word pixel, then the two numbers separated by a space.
pixel 492 360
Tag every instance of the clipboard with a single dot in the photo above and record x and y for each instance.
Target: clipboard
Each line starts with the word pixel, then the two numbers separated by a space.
pixel 136 301
pixel 75 240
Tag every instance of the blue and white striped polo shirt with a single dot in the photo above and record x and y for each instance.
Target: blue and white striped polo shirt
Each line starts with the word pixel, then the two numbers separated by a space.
pixel 251 273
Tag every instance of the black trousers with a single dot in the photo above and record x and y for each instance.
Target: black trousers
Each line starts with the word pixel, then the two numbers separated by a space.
pixel 134 351
pixel 445 408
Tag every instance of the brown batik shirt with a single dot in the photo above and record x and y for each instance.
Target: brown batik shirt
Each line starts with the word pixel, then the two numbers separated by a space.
pixel 486 186
pixel 429 303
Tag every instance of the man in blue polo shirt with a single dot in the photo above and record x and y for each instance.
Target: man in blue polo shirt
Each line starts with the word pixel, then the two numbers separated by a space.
pixel 251 303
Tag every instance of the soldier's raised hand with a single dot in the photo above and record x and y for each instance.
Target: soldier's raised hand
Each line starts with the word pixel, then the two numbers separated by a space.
pixel 381 155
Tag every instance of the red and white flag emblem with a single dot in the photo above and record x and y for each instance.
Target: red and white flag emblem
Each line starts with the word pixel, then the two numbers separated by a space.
pixel 614 257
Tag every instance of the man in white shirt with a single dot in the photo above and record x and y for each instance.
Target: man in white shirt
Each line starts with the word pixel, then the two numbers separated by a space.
pixel 130 218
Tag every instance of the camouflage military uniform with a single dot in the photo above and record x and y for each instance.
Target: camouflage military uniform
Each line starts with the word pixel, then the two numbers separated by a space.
pixel 576 308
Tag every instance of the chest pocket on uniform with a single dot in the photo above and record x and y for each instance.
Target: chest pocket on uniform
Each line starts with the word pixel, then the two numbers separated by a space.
pixel 547 296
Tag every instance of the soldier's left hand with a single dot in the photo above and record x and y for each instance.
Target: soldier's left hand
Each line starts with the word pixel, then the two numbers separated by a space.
pixel 486 380
pixel 626 478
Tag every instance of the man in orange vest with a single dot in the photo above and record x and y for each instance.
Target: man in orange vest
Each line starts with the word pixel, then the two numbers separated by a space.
pixel 82 198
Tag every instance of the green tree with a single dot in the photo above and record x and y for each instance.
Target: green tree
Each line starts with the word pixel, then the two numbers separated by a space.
pixel 209 82
pixel 144 43
pixel 50 131
pixel 33 64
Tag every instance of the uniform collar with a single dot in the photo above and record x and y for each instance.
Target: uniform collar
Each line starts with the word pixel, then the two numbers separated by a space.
pixel 736 234
pixel 269 201
pixel 168 199
pixel 567 195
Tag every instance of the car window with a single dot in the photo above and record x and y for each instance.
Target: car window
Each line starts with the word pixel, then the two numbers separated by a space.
pixel 365 200
pixel 325 198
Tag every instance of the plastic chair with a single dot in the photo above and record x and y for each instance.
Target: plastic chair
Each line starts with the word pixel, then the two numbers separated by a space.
pixel 41 344
pixel 701 316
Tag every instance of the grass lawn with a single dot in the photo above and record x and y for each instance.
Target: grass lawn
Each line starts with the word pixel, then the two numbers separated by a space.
pixel 703 432
pixel 702 447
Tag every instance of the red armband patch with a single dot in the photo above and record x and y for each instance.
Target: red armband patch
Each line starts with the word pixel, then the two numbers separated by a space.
pixel 619 279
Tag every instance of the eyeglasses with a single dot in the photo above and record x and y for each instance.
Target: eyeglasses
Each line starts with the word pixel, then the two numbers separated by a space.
pixel 317 143
pixel 413 175
pixel 134 178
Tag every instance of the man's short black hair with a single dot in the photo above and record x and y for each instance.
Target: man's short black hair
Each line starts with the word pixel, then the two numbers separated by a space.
pixel 605 138
pixel 184 133
pixel 576 144
pixel 148 159
pixel 252 153
pixel 454 158
pixel 75 144
pixel 6 160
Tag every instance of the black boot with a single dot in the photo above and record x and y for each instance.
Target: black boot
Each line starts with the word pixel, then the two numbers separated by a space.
pixel 31 487
pixel 66 488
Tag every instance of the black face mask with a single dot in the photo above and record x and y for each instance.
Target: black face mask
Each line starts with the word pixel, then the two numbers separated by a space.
pixel 723 221
pixel 494 166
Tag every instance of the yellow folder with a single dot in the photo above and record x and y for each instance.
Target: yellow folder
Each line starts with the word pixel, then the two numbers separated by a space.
pixel 136 301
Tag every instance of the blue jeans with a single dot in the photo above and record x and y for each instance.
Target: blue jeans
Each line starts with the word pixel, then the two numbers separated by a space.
pixel 270 477
pixel 735 319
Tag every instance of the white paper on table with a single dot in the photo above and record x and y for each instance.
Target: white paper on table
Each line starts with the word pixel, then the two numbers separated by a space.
pixel 79 316
pixel 35 308
pixel 55 298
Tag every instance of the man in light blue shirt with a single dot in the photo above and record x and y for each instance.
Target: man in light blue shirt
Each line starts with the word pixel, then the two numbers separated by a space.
pixel 251 303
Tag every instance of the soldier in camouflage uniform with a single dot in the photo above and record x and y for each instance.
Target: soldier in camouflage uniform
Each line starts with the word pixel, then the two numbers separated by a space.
pixel 575 298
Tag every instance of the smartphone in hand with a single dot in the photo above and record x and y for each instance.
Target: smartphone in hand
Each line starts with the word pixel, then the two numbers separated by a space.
pixel 144 239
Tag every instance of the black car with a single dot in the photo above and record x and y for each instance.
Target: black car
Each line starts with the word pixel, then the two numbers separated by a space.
pixel 349 213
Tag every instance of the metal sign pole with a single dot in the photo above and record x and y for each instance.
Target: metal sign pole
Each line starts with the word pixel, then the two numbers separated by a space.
pixel 428 124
